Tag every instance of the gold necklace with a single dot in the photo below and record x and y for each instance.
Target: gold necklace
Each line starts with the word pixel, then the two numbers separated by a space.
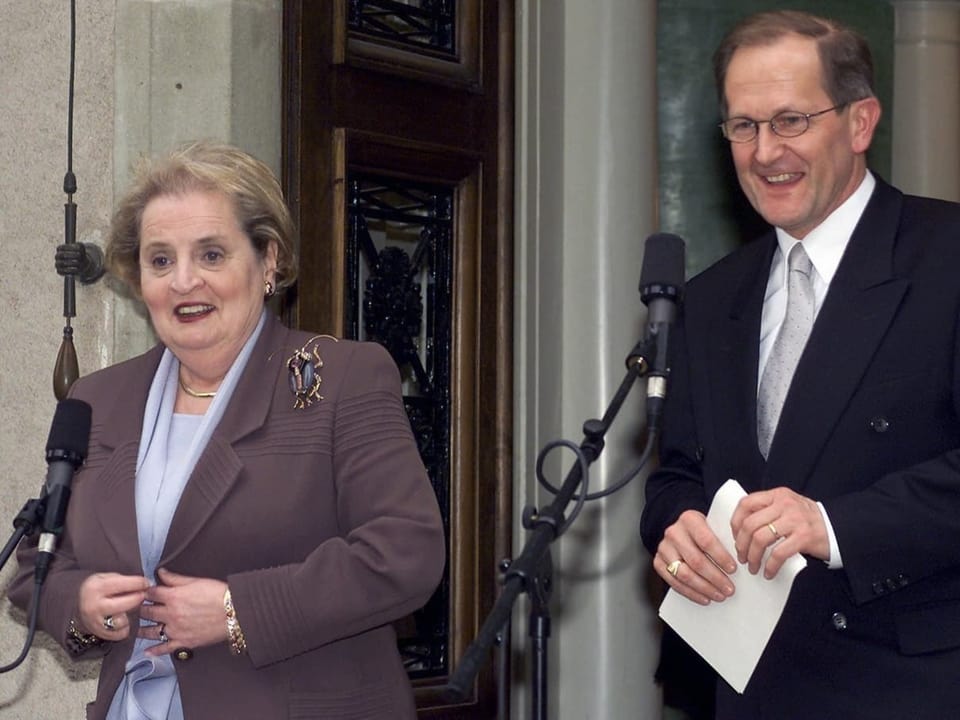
pixel 193 393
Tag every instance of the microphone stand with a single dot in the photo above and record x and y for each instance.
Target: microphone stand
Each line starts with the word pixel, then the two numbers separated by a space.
pixel 532 571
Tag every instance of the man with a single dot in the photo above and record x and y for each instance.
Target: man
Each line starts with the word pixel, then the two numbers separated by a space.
pixel 858 466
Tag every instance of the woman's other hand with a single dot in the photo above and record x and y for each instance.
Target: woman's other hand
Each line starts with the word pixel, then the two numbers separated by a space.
pixel 187 610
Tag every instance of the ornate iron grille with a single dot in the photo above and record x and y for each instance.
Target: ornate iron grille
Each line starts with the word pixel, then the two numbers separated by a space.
pixel 399 265
pixel 414 24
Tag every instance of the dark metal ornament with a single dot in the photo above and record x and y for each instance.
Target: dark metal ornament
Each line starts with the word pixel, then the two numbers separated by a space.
pixel 304 368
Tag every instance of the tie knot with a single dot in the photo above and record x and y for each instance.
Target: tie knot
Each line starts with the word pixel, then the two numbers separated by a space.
pixel 799 261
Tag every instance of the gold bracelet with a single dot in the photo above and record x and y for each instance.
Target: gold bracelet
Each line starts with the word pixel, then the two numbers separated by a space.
pixel 78 642
pixel 238 643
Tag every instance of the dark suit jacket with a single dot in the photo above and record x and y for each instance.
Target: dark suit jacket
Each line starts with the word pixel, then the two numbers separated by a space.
pixel 322 520
pixel 871 427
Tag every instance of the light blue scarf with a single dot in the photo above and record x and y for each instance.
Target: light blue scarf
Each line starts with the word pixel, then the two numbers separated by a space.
pixel 166 458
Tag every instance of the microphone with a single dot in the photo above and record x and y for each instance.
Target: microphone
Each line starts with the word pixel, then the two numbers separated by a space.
pixel 661 290
pixel 66 451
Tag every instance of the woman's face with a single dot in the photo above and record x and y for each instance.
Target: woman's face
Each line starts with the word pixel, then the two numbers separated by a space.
pixel 200 276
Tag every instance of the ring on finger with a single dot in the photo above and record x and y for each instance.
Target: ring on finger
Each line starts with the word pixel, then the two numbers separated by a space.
pixel 108 623
pixel 674 567
pixel 773 529
pixel 162 637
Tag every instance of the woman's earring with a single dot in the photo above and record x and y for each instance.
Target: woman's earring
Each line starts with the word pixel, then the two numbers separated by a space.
pixel 268 288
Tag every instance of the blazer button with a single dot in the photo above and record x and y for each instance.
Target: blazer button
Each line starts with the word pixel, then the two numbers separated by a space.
pixel 183 654
pixel 839 621
pixel 879 424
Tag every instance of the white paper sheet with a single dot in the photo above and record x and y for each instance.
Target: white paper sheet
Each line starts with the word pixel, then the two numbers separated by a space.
pixel 732 634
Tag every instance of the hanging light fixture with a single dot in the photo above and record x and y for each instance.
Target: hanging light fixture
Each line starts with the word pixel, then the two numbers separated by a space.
pixel 73 260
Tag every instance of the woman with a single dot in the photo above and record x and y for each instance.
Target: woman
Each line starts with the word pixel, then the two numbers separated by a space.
pixel 253 512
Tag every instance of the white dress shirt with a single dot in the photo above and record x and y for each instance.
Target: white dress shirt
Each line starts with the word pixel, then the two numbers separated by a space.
pixel 825 245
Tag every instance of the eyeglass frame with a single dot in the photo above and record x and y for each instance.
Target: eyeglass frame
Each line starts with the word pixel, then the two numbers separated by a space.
pixel 772 122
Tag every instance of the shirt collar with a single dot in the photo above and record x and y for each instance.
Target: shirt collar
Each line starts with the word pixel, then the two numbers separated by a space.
pixel 826 243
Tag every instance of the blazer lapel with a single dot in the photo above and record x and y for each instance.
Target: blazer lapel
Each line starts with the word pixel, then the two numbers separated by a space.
pixel 860 305
pixel 117 424
pixel 219 466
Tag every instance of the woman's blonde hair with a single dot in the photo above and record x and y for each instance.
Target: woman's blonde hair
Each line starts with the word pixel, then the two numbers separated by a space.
pixel 206 166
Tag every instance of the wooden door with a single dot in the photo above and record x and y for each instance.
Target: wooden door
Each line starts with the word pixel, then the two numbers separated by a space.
pixel 398 129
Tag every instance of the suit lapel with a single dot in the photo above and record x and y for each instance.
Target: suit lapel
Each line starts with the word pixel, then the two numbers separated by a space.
pixel 219 466
pixel 862 301
pixel 734 360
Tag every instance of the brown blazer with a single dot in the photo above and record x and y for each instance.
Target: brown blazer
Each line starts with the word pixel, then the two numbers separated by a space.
pixel 322 520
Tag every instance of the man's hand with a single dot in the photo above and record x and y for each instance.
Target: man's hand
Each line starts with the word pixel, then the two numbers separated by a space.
pixel 693 562
pixel 780 517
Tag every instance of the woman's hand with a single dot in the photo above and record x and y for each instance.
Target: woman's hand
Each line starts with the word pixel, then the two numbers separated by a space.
pixel 105 601
pixel 188 611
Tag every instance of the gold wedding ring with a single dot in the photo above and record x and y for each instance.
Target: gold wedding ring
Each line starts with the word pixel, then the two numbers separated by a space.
pixel 674 567
pixel 773 529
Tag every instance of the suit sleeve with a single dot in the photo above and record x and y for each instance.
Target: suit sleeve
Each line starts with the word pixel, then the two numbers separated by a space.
pixel 390 555
pixel 904 527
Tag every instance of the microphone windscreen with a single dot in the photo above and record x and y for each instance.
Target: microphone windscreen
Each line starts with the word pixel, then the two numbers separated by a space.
pixel 70 431
pixel 662 274
pixel 663 261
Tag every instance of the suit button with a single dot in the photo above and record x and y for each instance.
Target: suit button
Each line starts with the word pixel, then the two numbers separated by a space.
pixel 879 424
pixel 183 654
pixel 839 621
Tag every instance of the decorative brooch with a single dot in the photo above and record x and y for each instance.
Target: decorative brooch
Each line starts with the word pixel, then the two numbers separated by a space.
pixel 304 367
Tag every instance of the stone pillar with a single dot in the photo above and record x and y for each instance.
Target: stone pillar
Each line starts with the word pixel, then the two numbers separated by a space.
pixel 189 71
pixel 926 111
pixel 586 180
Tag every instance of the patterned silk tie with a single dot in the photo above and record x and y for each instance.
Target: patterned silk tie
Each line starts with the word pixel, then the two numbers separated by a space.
pixel 787 347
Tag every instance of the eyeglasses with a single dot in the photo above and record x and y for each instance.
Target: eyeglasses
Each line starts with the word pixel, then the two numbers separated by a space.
pixel 788 124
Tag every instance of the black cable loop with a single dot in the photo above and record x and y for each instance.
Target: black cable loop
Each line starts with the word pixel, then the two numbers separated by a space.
pixel 584 464
pixel 621 483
